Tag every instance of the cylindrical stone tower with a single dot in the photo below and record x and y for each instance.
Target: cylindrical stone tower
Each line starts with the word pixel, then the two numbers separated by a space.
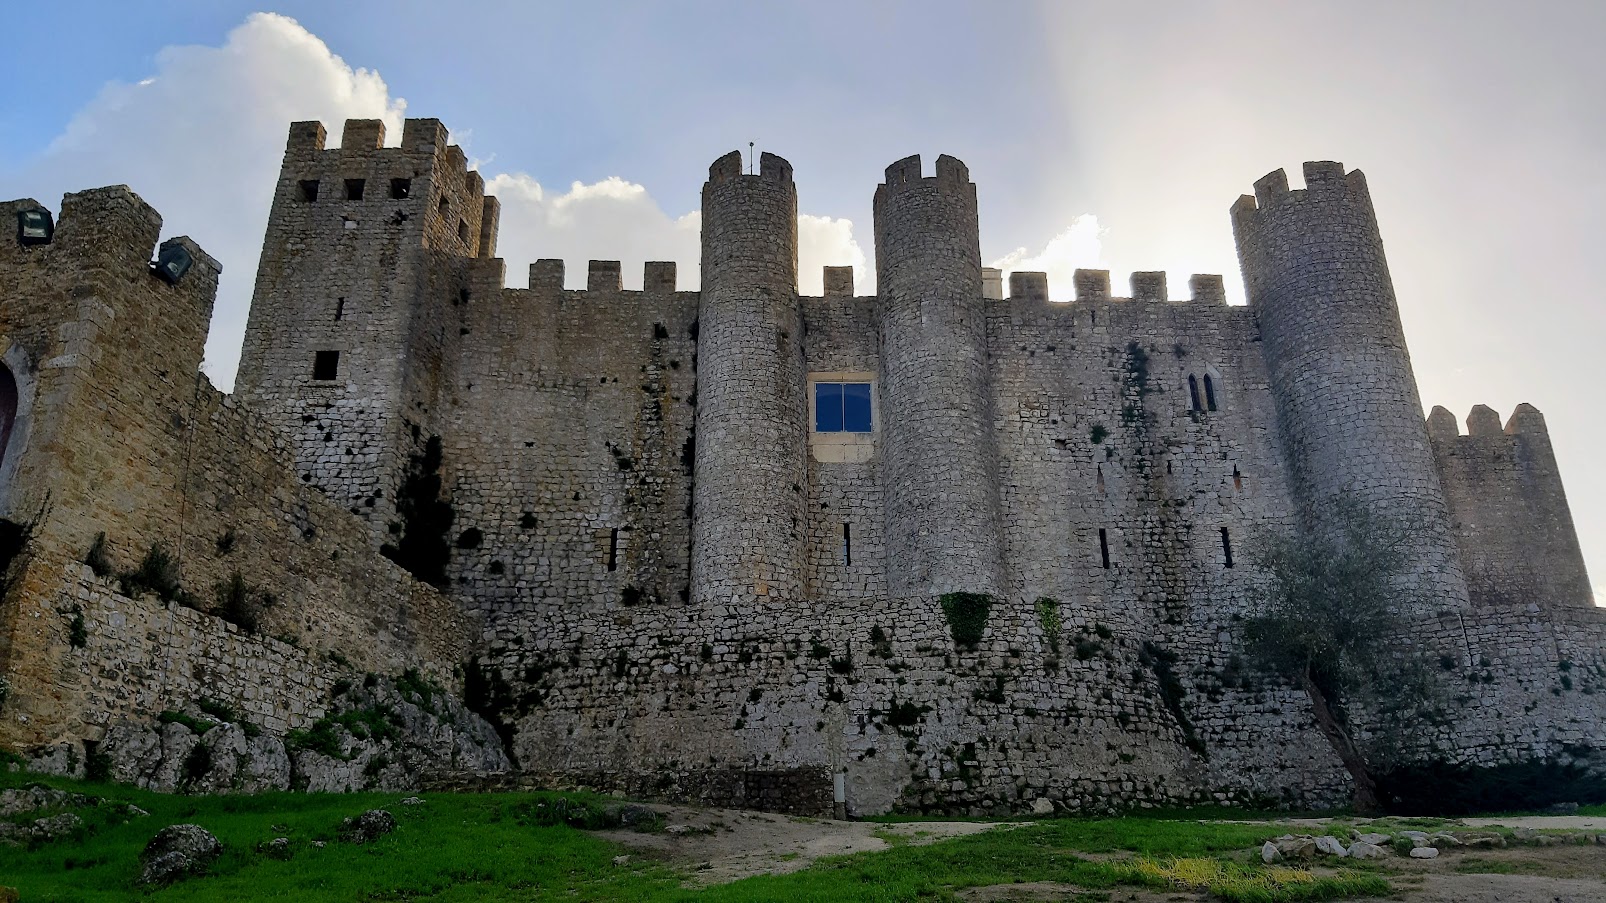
pixel 1341 377
pixel 939 458
pixel 748 500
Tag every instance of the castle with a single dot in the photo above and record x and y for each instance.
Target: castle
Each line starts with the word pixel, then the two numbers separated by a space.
pixel 698 543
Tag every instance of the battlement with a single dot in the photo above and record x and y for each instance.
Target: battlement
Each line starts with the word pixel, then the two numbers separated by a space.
pixel 1094 285
pixel 951 172
pixel 1484 422
pixel 116 225
pixel 423 176
pixel 602 276
pixel 1325 180
pixel 771 168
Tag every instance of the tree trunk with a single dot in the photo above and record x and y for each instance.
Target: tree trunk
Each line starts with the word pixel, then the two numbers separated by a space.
pixel 1365 799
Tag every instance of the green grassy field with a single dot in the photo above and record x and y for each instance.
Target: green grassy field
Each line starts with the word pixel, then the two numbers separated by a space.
pixel 501 847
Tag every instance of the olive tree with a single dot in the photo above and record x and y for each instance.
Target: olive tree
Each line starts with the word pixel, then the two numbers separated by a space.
pixel 1327 617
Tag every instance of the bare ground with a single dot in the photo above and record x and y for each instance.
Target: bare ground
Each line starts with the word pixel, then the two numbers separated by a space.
pixel 726 844
pixel 721 845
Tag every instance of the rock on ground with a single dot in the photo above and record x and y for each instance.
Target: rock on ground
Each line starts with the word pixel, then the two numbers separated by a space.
pixel 369 826
pixel 178 852
pixel 1360 849
pixel 1424 853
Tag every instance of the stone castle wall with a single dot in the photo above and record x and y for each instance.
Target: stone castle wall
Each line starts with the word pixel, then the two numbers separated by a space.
pixel 127 440
pixel 660 577
pixel 1509 509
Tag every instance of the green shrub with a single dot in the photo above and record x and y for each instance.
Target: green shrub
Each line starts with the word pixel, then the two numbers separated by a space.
pixel 1048 616
pixel 1099 433
pixel 196 725
pixel 412 681
pixel 77 631
pixel 240 604
pixel 157 573
pixel 967 616
pixel 97 558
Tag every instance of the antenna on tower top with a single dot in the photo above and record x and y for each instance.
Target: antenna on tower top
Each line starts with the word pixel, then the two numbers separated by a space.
pixel 749 158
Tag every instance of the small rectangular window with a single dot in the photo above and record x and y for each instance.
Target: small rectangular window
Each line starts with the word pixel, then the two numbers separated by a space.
pixel 340 308
pixel 1226 546
pixel 613 549
pixel 354 189
pixel 400 188
pixel 842 408
pixel 847 546
pixel 1104 548
pixel 1210 392
pixel 307 190
pixel 325 364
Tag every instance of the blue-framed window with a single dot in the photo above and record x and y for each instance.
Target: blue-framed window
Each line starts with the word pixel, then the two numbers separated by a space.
pixel 842 408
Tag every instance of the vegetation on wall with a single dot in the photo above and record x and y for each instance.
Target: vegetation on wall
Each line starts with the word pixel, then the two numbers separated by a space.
pixel 97 557
pixel 1325 622
pixel 424 519
pixel 157 574
pixel 1048 617
pixel 967 616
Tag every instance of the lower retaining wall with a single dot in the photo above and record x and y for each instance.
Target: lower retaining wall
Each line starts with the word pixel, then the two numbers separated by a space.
pixel 795 791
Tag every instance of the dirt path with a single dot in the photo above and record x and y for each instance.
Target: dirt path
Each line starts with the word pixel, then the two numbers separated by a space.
pixel 723 845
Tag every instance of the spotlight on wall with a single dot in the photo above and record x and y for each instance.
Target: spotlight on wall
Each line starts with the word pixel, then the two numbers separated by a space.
pixel 172 264
pixel 35 227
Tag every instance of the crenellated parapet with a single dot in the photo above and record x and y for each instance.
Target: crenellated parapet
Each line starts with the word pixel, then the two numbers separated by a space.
pixel 1509 509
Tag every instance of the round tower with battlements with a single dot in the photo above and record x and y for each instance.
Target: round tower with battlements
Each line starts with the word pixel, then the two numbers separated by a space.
pixel 747 539
pixel 939 460
pixel 1346 398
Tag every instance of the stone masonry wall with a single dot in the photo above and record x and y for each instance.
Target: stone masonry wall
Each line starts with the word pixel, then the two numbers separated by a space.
pixel 1508 509
pixel 130 441
pixel 582 490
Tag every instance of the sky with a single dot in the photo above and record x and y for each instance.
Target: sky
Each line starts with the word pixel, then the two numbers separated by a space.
pixel 1110 135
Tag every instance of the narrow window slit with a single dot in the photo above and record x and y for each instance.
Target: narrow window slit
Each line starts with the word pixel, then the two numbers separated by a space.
pixel 1100 479
pixel 1193 392
pixel 1104 548
pixel 613 549
pixel 847 545
pixel 1237 479
pixel 340 308
pixel 1226 546
pixel 1210 393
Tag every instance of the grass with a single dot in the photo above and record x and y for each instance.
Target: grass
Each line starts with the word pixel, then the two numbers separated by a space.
pixel 522 847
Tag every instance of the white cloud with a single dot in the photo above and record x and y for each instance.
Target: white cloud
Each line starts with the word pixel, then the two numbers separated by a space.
pixel 201 140
pixel 1080 245
pixel 825 242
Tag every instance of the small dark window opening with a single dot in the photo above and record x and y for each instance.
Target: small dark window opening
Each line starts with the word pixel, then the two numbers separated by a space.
pixel 400 188
pixel 307 190
pixel 1104 548
pixel 1100 469
pixel 446 205
pixel 1168 468
pixel 1210 393
pixel 340 308
pixel 847 546
pixel 462 230
pixel 1226 546
pixel 1092 318
pixel 354 189
pixel 1193 393
pixel 325 364
pixel 613 549
pixel 1237 479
